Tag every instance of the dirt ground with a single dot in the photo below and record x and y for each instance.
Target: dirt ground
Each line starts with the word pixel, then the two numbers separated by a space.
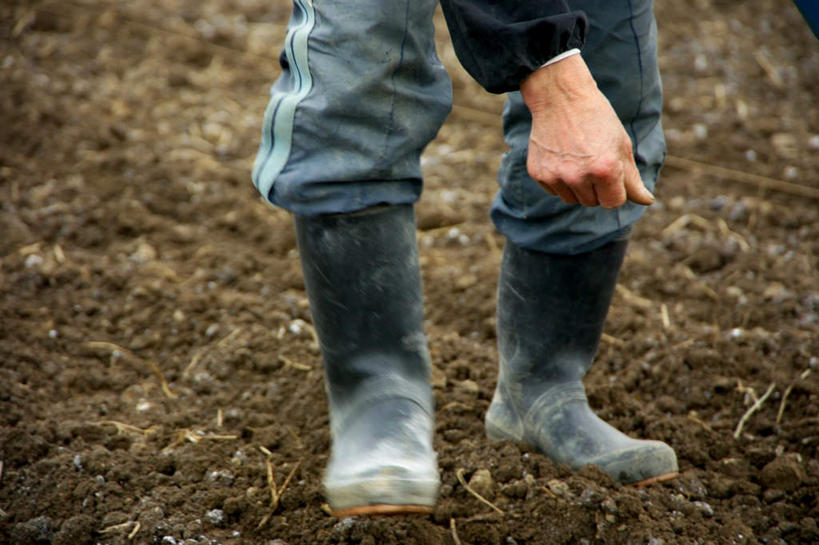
pixel 156 358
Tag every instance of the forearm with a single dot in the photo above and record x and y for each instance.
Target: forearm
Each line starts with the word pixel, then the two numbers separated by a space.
pixel 500 43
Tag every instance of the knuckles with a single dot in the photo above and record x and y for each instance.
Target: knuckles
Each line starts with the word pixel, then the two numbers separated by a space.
pixel 606 168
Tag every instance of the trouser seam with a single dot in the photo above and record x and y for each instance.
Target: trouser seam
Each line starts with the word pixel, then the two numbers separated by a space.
pixel 642 79
pixel 391 124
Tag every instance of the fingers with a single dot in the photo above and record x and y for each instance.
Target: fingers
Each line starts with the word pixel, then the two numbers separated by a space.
pixel 566 193
pixel 559 189
pixel 572 193
pixel 547 189
pixel 609 186
pixel 587 189
pixel 585 192
pixel 572 185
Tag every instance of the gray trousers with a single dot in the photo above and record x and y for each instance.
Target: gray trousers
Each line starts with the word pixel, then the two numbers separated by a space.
pixel 362 92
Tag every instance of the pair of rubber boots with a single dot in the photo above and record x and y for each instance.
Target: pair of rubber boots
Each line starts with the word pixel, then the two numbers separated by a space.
pixel 362 277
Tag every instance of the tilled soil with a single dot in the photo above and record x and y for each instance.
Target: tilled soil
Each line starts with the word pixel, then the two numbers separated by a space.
pixel 158 364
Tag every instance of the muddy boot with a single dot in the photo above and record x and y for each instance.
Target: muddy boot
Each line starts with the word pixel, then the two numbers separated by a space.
pixel 362 277
pixel 551 310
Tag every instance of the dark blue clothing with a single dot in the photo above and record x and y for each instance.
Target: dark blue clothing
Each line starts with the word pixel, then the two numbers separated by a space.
pixel 501 42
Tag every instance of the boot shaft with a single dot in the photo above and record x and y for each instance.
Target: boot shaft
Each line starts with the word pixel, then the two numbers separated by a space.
pixel 363 281
pixel 551 310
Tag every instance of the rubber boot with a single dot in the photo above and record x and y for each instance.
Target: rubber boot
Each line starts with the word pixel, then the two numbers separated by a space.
pixel 363 280
pixel 551 310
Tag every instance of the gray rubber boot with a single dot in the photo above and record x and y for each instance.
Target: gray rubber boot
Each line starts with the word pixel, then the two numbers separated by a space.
pixel 363 280
pixel 551 310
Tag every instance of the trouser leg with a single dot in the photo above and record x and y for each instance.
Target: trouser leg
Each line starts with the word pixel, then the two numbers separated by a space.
pixel 360 94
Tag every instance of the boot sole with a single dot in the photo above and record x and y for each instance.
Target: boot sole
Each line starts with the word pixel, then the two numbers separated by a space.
pixel 655 480
pixel 382 496
pixel 382 509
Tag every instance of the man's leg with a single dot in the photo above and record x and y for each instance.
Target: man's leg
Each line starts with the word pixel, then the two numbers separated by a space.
pixel 362 277
pixel 361 94
pixel 561 262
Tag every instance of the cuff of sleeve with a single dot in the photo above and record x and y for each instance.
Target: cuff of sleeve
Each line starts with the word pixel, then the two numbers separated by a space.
pixel 558 58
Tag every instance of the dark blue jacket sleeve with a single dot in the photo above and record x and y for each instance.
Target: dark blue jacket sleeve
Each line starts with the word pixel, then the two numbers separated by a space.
pixel 501 42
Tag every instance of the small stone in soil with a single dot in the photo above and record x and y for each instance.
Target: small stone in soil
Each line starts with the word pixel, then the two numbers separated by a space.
pixel 704 508
pixel 77 530
pixel 785 473
pixel 39 530
pixel 216 517
pixel 609 505
pixel 559 488
pixel 515 489
pixel 591 497
pixel 482 483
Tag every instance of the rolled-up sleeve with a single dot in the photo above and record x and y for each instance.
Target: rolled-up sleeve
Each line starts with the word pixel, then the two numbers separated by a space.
pixel 501 42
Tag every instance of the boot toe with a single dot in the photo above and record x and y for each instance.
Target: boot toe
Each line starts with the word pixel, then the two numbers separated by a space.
pixel 413 482
pixel 644 461
pixel 384 457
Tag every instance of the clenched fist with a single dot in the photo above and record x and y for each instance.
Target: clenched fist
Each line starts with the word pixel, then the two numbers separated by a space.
pixel 578 148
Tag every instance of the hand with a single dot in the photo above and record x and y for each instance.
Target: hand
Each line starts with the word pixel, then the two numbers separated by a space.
pixel 578 148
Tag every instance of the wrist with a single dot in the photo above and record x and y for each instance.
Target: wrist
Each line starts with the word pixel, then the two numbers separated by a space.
pixel 565 80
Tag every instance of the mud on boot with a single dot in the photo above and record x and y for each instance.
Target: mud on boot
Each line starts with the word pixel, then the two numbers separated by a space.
pixel 362 278
pixel 551 310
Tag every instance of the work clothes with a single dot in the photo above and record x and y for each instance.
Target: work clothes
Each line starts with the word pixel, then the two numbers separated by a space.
pixel 362 92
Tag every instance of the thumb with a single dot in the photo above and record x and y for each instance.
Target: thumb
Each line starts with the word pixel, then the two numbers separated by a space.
pixel 636 191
